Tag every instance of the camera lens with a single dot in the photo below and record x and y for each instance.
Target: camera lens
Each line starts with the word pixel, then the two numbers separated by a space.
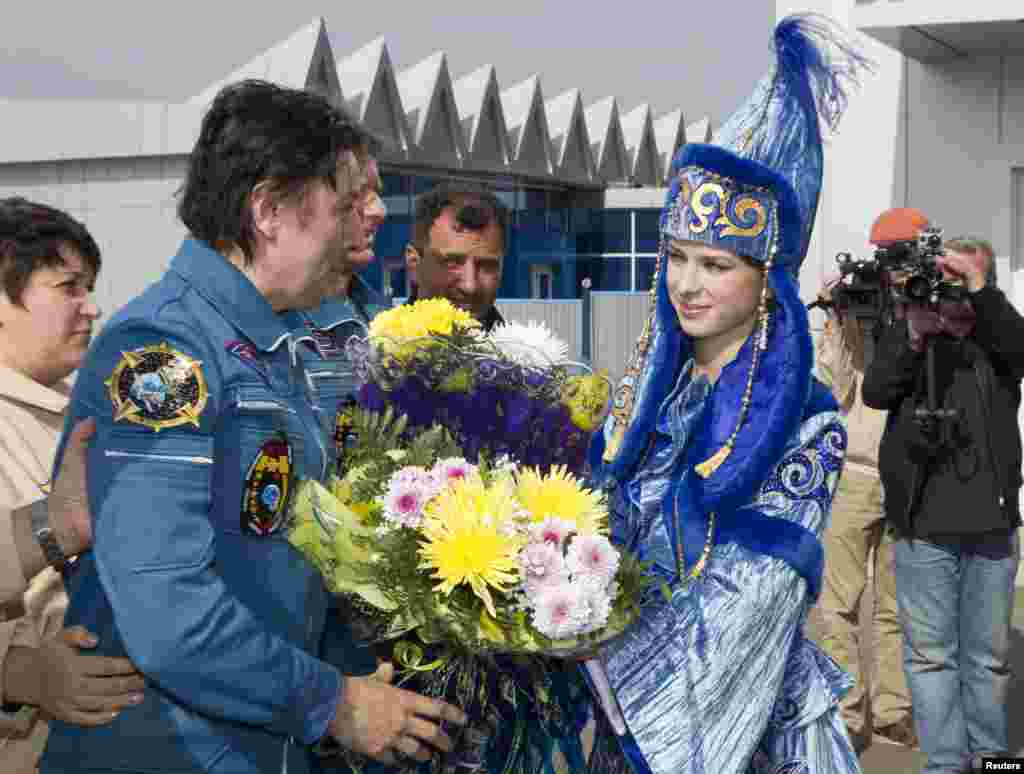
pixel 917 288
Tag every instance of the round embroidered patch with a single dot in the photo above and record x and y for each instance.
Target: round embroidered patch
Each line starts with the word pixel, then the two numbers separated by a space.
pixel 158 387
pixel 266 488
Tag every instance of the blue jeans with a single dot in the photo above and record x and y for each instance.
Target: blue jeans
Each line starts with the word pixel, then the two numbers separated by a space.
pixel 955 598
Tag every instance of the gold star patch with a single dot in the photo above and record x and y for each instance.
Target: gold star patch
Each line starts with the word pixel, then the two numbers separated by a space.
pixel 158 387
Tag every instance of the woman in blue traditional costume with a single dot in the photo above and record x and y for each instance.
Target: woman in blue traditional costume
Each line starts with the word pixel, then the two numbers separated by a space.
pixel 722 454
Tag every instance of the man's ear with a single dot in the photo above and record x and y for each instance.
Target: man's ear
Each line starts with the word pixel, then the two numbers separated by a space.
pixel 412 258
pixel 265 207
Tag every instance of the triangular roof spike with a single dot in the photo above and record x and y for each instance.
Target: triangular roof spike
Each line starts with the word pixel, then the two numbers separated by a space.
pixel 430 112
pixel 303 60
pixel 570 142
pixel 606 140
pixel 371 95
pixel 670 134
pixel 699 131
pixel 641 146
pixel 528 135
pixel 484 129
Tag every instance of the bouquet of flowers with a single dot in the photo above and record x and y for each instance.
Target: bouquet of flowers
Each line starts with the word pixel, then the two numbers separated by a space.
pixel 459 529
pixel 509 392
pixel 486 559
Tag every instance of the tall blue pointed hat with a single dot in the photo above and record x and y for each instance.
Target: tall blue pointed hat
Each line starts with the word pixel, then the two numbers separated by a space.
pixel 753 191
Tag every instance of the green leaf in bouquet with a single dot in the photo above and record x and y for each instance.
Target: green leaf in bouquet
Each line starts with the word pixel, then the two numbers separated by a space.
pixel 376 434
pixel 338 544
pixel 309 538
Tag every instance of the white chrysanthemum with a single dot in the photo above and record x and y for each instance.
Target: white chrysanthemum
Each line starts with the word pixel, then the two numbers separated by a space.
pixel 452 469
pixel 592 556
pixel 598 602
pixel 562 611
pixel 532 344
pixel 541 566
pixel 552 530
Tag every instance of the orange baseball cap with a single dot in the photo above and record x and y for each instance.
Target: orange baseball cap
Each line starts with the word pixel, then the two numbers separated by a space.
pixel 900 224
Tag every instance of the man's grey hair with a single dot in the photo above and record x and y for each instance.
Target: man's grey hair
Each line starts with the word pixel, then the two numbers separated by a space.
pixel 973 244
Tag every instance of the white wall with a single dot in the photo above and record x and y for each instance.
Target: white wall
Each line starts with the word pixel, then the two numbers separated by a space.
pixel 942 137
pixel 863 161
pixel 128 205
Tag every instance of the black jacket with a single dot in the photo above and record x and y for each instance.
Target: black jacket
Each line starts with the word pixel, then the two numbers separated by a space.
pixel 971 483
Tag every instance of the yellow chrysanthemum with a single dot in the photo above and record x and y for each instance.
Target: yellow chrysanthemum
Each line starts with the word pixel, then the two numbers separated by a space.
pixel 431 316
pixel 561 495
pixel 468 538
pixel 587 400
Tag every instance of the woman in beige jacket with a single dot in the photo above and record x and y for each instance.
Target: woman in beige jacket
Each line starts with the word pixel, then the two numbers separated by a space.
pixel 48 266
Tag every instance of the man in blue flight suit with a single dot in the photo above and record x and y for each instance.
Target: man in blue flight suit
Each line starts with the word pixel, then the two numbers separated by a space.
pixel 347 311
pixel 204 426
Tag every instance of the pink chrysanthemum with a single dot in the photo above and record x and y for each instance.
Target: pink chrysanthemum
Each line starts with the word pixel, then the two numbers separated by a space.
pixel 552 530
pixel 561 611
pixel 542 566
pixel 452 469
pixel 592 556
pixel 409 491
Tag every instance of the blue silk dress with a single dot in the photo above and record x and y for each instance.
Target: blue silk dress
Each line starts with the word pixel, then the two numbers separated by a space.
pixel 719 678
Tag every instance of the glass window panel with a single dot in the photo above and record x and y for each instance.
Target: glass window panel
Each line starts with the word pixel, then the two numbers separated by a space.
pixel 614 225
pixel 394 185
pixel 601 231
pixel 584 231
pixel 399 283
pixel 393 235
pixel 647 230
pixel 645 272
pixel 605 273
pixel 534 199
pixel 423 183
pixel 507 197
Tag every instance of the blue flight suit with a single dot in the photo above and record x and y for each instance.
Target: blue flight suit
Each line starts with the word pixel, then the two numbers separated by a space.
pixel 321 335
pixel 204 423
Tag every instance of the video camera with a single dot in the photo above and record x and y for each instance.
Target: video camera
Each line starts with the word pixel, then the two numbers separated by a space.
pixel 906 272
pixel 920 279
pixel 903 271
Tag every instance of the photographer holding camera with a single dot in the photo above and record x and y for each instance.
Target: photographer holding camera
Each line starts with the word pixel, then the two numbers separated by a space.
pixel 948 369
pixel 857 535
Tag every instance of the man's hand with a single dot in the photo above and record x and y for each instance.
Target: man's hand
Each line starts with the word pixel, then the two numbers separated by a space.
pixel 68 502
pixel 379 720
pixel 971 268
pixel 825 293
pixel 73 686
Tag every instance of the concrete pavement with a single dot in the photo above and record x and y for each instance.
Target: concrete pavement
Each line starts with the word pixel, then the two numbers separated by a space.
pixel 881 758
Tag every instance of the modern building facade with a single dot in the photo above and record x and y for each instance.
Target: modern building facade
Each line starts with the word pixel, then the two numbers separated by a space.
pixel 938 126
pixel 584 181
